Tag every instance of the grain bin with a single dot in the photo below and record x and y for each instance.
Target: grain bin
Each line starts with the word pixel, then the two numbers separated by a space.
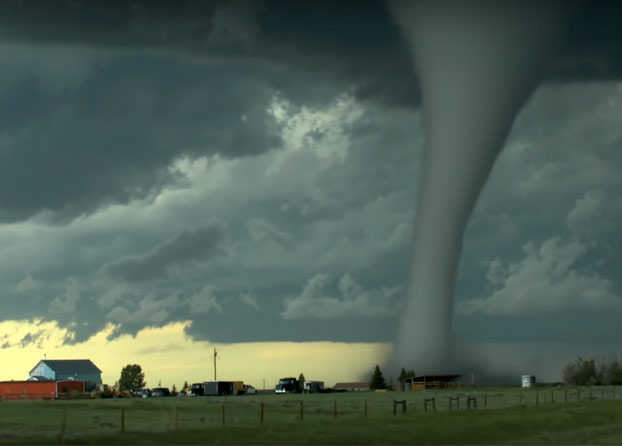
pixel 529 381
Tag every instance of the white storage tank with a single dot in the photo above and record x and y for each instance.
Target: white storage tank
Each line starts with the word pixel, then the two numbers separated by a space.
pixel 529 381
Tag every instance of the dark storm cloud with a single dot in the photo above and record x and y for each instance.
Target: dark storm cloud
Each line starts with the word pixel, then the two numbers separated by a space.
pixel 190 246
pixel 112 138
pixel 339 41
pixel 167 79
pixel 106 23
pixel 99 99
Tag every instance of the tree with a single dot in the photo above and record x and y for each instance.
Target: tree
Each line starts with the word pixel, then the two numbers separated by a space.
pixel 377 380
pixel 610 373
pixel 581 372
pixel 132 377
pixel 185 386
pixel 174 390
pixel 406 374
pixel 301 382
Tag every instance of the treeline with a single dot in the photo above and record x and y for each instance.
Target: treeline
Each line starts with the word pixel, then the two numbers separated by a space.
pixel 589 372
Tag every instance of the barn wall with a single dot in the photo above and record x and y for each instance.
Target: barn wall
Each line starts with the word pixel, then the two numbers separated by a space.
pixel 34 390
pixel 69 387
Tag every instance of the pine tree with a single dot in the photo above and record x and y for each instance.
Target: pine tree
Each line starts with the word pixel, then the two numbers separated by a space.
pixel 377 380
pixel 406 374
pixel 402 374
pixel 301 382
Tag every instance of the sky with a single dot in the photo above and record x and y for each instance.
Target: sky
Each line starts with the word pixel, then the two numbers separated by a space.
pixel 178 176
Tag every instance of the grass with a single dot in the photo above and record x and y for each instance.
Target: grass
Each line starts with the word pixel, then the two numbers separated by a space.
pixel 200 420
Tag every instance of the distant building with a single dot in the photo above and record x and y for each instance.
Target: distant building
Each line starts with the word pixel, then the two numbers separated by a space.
pixel 352 387
pixel 431 382
pixel 67 369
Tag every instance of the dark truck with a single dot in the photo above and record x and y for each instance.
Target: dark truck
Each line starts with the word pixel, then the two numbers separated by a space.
pixel 288 385
pixel 197 389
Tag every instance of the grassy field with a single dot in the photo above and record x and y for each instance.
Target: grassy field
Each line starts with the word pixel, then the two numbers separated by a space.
pixel 510 416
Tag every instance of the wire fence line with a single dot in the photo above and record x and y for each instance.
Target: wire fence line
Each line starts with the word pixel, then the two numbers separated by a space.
pixel 163 414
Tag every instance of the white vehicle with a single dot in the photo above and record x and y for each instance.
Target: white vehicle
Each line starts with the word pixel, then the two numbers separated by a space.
pixel 314 386
pixel 249 390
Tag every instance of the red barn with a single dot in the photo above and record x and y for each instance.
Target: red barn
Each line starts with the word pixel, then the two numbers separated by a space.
pixel 39 390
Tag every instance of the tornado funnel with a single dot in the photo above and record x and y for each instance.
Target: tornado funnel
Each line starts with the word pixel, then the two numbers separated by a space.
pixel 477 63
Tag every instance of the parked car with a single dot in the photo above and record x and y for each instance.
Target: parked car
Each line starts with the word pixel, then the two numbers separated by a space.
pixel 249 390
pixel 142 393
pixel 160 391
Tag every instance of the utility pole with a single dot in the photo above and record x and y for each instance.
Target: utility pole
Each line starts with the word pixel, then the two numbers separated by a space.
pixel 215 357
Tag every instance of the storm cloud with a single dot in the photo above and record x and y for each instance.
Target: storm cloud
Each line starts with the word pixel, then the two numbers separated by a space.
pixel 252 168
pixel 191 246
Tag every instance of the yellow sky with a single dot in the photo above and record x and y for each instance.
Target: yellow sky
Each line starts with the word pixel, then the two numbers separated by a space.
pixel 168 356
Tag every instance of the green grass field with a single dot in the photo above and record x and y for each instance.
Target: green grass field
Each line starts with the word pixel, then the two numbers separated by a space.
pixel 509 416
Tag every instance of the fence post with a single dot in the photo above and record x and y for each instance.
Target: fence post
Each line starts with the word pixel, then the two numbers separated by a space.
pixel 261 414
pixel 335 413
pixel 520 399
pixel 123 419
pixel 471 399
pixel 223 414
pixel 552 397
pixel 537 398
pixel 302 410
pixel 365 409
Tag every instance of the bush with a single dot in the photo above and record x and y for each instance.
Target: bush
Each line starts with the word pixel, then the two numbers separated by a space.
pixel 610 373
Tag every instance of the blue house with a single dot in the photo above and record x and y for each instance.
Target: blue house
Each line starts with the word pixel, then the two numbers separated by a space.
pixel 67 369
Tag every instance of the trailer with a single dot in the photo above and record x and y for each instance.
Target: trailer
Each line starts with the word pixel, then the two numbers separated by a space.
pixel 223 388
pixel 314 387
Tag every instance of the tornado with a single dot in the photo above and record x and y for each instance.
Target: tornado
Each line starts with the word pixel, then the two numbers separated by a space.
pixel 477 62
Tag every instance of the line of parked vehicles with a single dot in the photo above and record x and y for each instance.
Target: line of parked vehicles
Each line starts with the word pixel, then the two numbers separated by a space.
pixel 292 385
pixel 207 388
pixel 219 388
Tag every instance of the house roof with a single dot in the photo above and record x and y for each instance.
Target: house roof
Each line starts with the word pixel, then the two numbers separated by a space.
pixel 69 365
pixel 355 385
pixel 38 378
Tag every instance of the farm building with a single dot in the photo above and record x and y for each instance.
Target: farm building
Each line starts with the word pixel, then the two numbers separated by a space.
pixel 66 369
pixel 351 387
pixel 431 382
pixel 39 390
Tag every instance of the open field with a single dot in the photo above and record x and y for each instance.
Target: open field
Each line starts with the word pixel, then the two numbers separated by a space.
pixel 505 415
